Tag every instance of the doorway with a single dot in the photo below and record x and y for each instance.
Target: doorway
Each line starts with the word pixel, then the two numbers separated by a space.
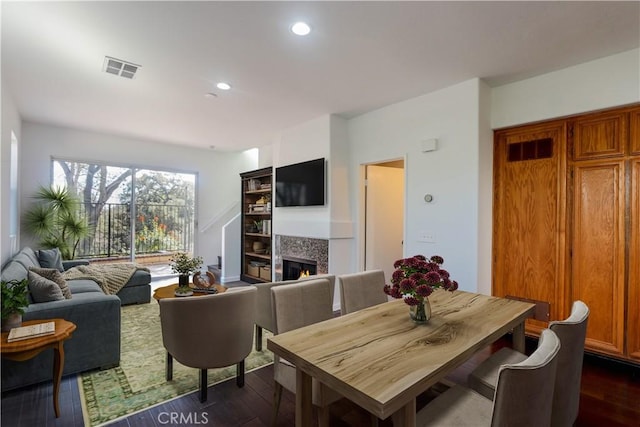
pixel 384 203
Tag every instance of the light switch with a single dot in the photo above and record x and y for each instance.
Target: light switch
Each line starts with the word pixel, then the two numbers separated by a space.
pixel 427 237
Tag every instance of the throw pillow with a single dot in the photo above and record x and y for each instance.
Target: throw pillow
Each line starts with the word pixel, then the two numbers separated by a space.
pixel 50 258
pixel 55 276
pixel 43 290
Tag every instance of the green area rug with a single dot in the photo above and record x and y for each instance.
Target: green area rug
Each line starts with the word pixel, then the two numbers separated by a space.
pixel 139 382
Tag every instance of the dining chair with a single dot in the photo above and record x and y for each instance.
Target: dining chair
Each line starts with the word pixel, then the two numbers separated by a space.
pixel 264 309
pixel 566 396
pixel 294 306
pixel 523 397
pixel 211 331
pixel 361 290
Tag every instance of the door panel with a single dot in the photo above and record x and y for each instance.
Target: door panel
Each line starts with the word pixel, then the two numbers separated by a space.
pixel 599 135
pixel 528 216
pixel 385 217
pixel 634 132
pixel 633 324
pixel 598 252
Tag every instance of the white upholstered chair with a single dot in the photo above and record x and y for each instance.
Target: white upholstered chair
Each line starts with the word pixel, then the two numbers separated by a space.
pixel 566 401
pixel 361 290
pixel 523 397
pixel 264 309
pixel 211 331
pixel 294 306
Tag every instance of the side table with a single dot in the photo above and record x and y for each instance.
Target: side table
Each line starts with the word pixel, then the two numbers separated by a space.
pixel 26 349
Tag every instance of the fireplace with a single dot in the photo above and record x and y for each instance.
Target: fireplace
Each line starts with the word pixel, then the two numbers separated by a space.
pixel 293 268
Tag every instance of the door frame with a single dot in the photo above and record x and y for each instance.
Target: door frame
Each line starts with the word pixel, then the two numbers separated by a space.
pixel 362 207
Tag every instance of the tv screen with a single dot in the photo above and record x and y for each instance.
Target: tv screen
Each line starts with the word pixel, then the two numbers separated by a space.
pixel 300 184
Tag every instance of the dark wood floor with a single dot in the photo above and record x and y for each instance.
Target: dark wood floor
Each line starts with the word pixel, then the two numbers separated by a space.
pixel 610 397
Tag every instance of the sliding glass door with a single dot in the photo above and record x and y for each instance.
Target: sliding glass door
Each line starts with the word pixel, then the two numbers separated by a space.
pixel 133 213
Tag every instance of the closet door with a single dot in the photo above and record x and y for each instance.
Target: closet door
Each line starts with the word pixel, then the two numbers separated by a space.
pixel 633 323
pixel 529 216
pixel 598 250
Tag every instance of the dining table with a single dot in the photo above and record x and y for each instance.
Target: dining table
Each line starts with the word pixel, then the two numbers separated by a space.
pixel 381 360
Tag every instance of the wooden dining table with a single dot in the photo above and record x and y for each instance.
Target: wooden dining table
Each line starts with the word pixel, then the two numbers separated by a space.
pixel 381 360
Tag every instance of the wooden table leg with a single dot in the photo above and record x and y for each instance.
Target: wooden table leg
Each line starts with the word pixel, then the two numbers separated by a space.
pixel 405 416
pixel 518 338
pixel 304 409
pixel 58 365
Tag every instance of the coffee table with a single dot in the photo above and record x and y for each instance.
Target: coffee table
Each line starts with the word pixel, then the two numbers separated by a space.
pixel 26 349
pixel 169 291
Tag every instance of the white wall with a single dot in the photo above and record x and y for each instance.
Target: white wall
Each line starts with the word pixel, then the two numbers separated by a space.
pixel 216 171
pixel 594 85
pixel 325 136
pixel 9 122
pixel 451 174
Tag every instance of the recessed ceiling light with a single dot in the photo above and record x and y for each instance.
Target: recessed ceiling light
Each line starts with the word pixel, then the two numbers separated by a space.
pixel 223 86
pixel 300 28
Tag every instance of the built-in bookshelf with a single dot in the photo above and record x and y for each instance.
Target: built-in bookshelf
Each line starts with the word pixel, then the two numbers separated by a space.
pixel 256 190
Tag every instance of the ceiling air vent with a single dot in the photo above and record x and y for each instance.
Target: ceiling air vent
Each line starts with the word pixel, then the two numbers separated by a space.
pixel 119 67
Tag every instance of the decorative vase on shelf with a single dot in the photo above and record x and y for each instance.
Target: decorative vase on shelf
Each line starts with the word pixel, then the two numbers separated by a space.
pixel 421 313
pixel 183 281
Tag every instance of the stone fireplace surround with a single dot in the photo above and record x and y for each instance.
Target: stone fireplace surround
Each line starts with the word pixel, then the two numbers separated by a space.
pixel 302 248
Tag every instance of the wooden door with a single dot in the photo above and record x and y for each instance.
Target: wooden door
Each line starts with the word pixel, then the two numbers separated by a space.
pixel 598 250
pixel 633 322
pixel 634 132
pixel 599 135
pixel 529 217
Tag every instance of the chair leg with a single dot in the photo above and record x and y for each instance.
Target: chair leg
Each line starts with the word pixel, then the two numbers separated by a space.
pixel 258 338
pixel 169 367
pixel 240 374
pixel 203 385
pixel 277 396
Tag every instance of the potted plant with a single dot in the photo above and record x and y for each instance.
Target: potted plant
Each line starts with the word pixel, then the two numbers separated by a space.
pixel 184 265
pixel 55 219
pixel 14 302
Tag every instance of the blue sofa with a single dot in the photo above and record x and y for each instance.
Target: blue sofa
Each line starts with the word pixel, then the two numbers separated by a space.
pixel 95 344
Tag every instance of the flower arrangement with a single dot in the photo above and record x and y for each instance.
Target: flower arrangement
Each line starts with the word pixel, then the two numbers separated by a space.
pixel 416 278
pixel 183 264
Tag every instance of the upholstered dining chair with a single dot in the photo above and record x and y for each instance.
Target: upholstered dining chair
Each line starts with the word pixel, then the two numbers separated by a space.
pixel 211 331
pixel 361 290
pixel 294 306
pixel 566 396
pixel 523 398
pixel 264 309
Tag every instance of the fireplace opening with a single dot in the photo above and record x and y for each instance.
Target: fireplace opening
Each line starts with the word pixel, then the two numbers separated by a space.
pixel 295 268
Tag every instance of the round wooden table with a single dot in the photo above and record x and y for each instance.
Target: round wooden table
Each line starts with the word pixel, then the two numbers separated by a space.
pixel 28 348
pixel 169 291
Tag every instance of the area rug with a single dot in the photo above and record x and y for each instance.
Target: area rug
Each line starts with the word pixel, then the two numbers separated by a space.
pixel 139 382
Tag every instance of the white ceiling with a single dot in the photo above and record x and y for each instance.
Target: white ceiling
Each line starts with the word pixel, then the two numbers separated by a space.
pixel 359 57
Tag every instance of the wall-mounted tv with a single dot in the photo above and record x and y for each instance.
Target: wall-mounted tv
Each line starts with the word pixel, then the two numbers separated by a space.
pixel 301 184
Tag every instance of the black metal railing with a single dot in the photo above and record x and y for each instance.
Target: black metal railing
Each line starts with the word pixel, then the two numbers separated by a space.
pixel 158 228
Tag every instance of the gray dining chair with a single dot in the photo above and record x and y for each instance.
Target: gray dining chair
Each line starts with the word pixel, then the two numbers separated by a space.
pixel 294 306
pixel 211 331
pixel 523 397
pixel 264 309
pixel 566 400
pixel 361 290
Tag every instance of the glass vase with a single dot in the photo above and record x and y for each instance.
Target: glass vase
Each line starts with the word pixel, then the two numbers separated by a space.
pixel 183 281
pixel 421 313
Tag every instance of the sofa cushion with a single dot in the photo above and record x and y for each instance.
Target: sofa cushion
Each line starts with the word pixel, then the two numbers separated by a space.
pixel 80 286
pixel 43 289
pixel 139 278
pixel 50 258
pixel 27 258
pixel 54 275
pixel 14 271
